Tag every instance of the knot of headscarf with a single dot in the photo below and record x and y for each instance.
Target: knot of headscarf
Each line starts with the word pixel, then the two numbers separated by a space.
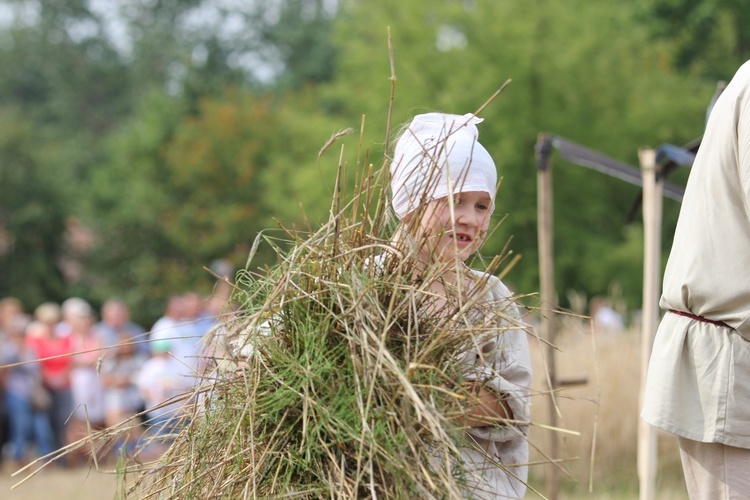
pixel 436 156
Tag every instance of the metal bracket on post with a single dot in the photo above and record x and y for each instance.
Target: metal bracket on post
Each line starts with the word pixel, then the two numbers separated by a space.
pixel 543 151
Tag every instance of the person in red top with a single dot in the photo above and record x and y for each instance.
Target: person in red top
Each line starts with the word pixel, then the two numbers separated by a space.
pixel 54 355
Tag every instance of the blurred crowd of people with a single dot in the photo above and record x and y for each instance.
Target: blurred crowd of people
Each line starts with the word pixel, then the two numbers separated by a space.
pixel 64 369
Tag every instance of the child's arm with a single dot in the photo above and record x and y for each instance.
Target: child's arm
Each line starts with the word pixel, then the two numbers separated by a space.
pixel 500 374
pixel 487 407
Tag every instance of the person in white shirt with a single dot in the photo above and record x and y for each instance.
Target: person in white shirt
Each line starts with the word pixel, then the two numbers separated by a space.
pixel 697 385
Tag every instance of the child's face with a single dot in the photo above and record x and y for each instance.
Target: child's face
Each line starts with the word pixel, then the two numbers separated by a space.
pixel 462 234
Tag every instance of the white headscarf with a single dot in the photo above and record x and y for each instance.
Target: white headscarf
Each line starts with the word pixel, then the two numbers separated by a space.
pixel 438 155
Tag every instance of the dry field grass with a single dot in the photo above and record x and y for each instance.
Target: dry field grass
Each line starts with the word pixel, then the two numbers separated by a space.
pixel 607 403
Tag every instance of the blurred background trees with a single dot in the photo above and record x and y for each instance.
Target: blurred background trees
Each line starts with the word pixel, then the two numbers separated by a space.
pixel 142 140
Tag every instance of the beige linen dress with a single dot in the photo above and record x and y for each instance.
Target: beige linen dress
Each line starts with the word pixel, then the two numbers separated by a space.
pixel 698 384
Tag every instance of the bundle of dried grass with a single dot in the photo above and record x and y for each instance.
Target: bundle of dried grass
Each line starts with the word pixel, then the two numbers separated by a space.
pixel 339 375
pixel 332 381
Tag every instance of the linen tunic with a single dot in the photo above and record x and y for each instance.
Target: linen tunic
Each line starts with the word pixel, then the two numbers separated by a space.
pixel 698 384
pixel 497 463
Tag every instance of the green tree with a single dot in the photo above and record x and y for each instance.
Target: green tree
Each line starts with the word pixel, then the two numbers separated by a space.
pixel 128 193
pixel 199 47
pixel 583 70
pixel 300 40
pixel 710 36
pixel 180 190
pixel 60 92
pixel 84 80
pixel 31 215
pixel 198 117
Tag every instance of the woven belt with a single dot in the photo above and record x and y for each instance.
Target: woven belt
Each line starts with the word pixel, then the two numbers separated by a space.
pixel 699 318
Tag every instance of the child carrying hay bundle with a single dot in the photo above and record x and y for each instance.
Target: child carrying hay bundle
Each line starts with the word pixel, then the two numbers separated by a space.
pixel 368 366
pixel 439 165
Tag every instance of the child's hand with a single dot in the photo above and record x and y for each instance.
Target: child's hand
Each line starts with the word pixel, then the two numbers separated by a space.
pixel 486 407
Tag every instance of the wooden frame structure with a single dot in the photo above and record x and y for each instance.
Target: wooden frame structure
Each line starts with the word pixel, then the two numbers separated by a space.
pixel 655 165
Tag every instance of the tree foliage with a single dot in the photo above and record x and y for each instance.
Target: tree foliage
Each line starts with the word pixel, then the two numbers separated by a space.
pixel 31 214
pixel 578 69
pixel 709 36
pixel 181 190
pixel 178 130
pixel 59 96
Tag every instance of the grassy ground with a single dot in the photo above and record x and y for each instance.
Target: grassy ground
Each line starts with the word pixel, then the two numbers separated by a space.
pixel 604 410
pixel 59 484
pixel 88 484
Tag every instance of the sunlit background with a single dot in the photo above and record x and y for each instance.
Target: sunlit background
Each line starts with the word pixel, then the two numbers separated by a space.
pixel 143 140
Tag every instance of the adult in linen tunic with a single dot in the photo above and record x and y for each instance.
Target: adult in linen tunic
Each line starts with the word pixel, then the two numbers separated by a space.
pixel 698 384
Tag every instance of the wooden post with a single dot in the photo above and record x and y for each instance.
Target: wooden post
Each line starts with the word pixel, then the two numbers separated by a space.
pixel 653 187
pixel 547 291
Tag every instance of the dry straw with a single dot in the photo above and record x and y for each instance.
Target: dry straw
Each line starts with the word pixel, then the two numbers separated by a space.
pixel 332 380
pixel 338 376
